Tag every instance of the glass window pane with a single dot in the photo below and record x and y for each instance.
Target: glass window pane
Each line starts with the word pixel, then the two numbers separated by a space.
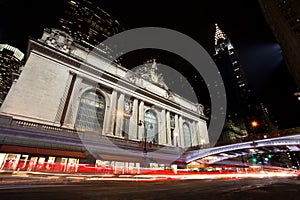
pixel 151 126
pixel 187 135
pixel 91 112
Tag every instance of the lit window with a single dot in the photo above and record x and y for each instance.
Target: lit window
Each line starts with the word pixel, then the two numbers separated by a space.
pixel 91 112
pixel 151 126
pixel 187 135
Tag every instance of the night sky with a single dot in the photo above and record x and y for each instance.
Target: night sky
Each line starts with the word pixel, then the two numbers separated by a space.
pixel 242 21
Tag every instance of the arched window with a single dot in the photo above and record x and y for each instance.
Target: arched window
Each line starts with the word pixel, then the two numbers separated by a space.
pixel 187 135
pixel 151 128
pixel 91 112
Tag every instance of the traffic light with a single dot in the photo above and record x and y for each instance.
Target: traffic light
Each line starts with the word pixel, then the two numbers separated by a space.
pixel 269 155
pixel 254 159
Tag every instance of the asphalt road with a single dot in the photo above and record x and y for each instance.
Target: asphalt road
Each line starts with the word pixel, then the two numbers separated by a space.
pixel 230 189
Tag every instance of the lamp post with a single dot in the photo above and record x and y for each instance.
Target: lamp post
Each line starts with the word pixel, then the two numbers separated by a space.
pixel 254 124
pixel 145 134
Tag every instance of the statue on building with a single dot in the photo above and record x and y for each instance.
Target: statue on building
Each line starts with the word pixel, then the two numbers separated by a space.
pixel 59 40
pixel 149 72
pixel 201 109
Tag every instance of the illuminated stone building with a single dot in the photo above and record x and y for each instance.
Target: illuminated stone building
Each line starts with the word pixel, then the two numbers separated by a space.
pixel 283 17
pixel 10 63
pixel 72 106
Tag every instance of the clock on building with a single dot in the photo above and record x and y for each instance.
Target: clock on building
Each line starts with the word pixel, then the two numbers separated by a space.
pixel 127 106
pixel 154 77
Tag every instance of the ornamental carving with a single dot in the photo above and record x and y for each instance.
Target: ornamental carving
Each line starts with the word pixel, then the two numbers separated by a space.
pixel 59 40
pixel 148 72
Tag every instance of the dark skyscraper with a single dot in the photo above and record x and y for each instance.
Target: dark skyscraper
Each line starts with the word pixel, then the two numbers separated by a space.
pixel 88 24
pixel 283 17
pixel 242 105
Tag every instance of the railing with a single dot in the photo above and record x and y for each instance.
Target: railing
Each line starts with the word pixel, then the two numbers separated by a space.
pixel 16 123
pixel 287 140
pixel 260 136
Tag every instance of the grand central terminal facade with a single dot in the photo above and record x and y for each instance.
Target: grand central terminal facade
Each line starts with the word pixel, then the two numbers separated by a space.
pixel 72 106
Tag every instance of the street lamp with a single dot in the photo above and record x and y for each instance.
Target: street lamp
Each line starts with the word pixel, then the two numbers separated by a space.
pixel 254 124
pixel 145 133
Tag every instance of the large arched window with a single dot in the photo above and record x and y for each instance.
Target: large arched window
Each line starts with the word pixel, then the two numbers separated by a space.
pixel 91 112
pixel 151 128
pixel 187 135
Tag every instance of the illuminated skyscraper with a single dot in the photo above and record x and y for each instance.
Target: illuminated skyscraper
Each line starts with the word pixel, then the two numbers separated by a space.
pixel 224 48
pixel 242 105
pixel 235 81
pixel 283 17
pixel 10 63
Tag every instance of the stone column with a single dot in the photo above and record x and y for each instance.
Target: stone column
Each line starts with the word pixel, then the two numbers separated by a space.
pixel 198 133
pixel 141 117
pixel 74 103
pixel 119 115
pixel 133 127
pixel 106 117
pixel 181 137
pixel 162 128
pixel 204 132
pixel 168 128
pixel 110 114
pixel 63 100
pixel 176 132
pixel 193 134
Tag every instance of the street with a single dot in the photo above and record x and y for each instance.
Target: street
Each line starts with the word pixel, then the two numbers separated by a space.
pixel 221 189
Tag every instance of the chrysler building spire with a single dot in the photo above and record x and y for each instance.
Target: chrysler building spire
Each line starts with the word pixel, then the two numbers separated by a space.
pixel 219 34
pixel 222 42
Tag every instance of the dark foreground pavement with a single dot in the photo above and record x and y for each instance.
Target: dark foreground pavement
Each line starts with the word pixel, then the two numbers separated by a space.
pixel 220 189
